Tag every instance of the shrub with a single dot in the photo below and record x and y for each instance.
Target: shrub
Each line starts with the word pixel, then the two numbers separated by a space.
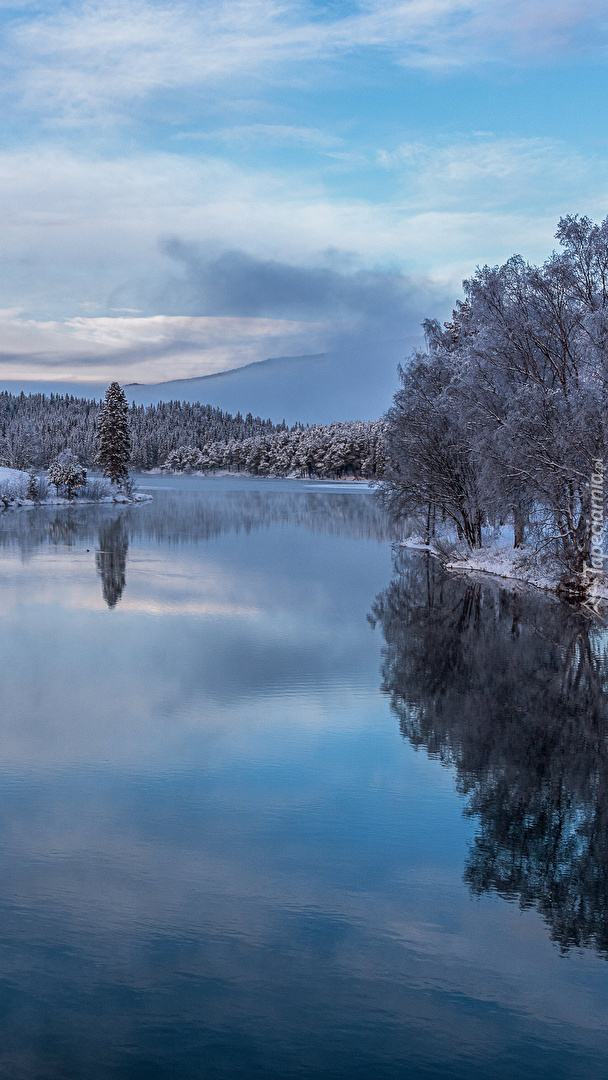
pixel 13 487
pixel 97 488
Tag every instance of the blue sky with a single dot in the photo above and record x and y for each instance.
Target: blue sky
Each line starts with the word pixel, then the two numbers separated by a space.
pixel 187 187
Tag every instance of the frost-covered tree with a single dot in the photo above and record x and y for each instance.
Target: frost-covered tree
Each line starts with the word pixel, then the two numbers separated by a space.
pixel 113 437
pixel 431 450
pixel 55 476
pixel 67 473
pixel 18 445
pixel 505 414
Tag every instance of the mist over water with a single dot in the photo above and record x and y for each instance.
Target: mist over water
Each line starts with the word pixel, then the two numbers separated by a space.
pixel 245 833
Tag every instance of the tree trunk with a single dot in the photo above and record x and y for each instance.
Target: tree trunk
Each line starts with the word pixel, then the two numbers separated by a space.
pixel 519 526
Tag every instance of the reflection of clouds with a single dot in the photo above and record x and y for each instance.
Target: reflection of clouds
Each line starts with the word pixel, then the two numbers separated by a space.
pixel 296 909
pixel 209 823
pixel 189 607
pixel 218 635
pixel 71 591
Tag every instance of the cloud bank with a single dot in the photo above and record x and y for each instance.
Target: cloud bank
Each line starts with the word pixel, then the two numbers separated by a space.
pixel 238 309
pixel 144 349
pixel 187 187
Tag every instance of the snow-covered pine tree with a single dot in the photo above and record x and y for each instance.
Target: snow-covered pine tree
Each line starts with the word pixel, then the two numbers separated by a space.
pixel 55 475
pixel 113 436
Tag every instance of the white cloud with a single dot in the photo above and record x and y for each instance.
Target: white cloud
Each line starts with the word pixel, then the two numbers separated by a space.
pixel 93 58
pixel 486 171
pixel 95 223
pixel 144 349
pixel 268 134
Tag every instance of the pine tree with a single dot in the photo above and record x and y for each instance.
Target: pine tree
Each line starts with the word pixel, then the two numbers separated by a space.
pixel 113 436
pixel 55 475
pixel 32 488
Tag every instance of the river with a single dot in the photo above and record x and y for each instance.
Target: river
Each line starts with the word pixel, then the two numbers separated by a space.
pixel 274 804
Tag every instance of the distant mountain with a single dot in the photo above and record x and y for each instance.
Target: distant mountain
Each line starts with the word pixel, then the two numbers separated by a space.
pixel 281 388
pixel 313 389
pixel 346 385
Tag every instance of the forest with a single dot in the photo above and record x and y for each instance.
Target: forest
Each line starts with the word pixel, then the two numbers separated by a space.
pixel 35 429
pixel 503 416
pixel 178 436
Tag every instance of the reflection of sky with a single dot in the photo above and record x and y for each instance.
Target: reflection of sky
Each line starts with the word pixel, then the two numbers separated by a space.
pixel 218 855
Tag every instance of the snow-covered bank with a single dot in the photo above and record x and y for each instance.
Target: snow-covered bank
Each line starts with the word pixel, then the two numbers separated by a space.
pixel 14 488
pixel 501 560
pixel 22 504
pixel 243 474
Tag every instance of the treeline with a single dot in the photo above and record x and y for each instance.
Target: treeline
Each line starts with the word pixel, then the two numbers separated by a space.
pixel 35 429
pixel 355 448
pixel 504 416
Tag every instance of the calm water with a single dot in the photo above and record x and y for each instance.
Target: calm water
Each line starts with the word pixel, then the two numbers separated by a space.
pixel 273 807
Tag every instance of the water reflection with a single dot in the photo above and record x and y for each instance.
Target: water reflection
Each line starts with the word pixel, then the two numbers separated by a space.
pixel 219 857
pixel 184 516
pixel 187 517
pixel 510 690
pixel 111 559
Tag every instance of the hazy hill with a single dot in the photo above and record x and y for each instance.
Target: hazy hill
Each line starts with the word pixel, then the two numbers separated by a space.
pixel 313 389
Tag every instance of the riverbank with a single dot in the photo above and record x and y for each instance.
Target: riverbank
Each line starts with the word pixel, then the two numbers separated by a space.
pixel 108 500
pixel 244 475
pixel 14 489
pixel 500 559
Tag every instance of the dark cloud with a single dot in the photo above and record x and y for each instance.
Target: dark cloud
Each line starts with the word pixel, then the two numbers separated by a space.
pixel 372 319
pixel 207 282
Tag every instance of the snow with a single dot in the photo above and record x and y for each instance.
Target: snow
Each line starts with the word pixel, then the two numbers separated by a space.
pixel 58 500
pixel 14 484
pixel 514 564
pixel 12 474
pixel 500 559
pixel 418 544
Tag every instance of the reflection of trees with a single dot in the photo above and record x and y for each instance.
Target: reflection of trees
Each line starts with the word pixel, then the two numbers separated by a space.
pixel 62 529
pixel 177 516
pixel 511 690
pixel 111 559
pixel 207 514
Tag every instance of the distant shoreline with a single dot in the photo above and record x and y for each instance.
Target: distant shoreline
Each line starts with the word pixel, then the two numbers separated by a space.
pixel 226 474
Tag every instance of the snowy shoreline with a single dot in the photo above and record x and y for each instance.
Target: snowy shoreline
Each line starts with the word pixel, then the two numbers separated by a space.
pixel 244 475
pixel 107 500
pixel 13 482
pixel 505 563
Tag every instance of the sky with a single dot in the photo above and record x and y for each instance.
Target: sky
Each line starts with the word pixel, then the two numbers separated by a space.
pixel 188 187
